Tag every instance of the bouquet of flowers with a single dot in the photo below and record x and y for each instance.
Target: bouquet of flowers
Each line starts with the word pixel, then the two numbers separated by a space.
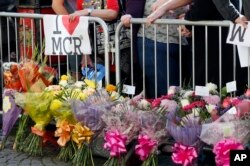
pixel 88 113
pixel 122 126
pixel 36 106
pixel 152 132
pixel 10 114
pixel 232 122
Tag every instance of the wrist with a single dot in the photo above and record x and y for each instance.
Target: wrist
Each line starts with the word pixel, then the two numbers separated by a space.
pixel 89 11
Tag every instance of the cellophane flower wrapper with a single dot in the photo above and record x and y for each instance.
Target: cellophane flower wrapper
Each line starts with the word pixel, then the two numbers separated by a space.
pixel 35 77
pixel 36 105
pixel 234 123
pixel 152 133
pixel 122 126
pixel 10 114
pixel 89 113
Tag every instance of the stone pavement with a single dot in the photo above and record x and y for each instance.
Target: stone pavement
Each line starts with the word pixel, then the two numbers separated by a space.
pixel 9 157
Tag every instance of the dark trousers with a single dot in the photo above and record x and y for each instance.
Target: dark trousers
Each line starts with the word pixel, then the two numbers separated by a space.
pixel 213 59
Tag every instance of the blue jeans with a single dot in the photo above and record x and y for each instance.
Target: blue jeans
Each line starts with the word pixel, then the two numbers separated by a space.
pixel 161 66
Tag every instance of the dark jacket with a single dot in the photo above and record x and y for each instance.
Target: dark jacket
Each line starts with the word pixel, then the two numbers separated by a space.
pixel 212 10
pixel 136 9
pixel 246 8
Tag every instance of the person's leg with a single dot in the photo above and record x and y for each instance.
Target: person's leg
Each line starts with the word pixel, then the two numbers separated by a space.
pixel 75 66
pixel 161 66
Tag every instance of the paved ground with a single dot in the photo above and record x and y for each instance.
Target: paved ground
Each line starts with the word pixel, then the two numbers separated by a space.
pixel 8 157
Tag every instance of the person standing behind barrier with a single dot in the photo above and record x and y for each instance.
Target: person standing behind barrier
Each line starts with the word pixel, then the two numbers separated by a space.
pixel 209 10
pixel 65 7
pixel 246 8
pixel 110 11
pixel 161 52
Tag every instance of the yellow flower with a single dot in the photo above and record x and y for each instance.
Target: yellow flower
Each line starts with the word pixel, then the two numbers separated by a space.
pixel 82 96
pixel 111 88
pixel 90 83
pixel 64 77
pixel 55 105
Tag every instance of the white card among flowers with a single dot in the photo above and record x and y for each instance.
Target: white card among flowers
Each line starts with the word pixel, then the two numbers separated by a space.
pixel 231 86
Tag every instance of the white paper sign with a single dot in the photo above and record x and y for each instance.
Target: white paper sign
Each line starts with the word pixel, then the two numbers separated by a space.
pixel 65 37
pixel 201 91
pixel 244 55
pixel 128 89
pixel 231 86
pixel 238 35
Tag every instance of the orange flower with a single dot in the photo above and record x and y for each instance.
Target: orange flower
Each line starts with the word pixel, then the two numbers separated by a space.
pixel 63 131
pixel 111 88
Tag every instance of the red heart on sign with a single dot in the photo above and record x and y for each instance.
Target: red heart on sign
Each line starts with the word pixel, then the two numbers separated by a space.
pixel 70 25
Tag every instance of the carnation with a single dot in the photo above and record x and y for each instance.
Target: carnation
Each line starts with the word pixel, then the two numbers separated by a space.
pixel 213 99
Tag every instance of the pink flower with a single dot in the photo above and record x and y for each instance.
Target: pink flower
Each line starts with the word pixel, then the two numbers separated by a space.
pixel 226 102
pixel 183 155
pixel 236 101
pixel 222 151
pixel 115 143
pixel 156 102
pixel 145 146
pixel 213 99
pixel 243 108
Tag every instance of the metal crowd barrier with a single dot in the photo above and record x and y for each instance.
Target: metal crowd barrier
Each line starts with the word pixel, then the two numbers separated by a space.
pixel 21 33
pixel 219 25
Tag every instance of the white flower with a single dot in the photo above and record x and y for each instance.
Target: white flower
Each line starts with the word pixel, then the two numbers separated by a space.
pixel 79 84
pixel 188 94
pixel 63 83
pixel 211 87
pixel 53 88
pixel 88 91
pixel 171 90
pixel 143 104
pixel 210 108
pixel 184 102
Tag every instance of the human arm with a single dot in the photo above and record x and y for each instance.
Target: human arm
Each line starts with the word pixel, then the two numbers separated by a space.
pixel 108 14
pixel 229 12
pixel 58 7
pixel 165 7
pixel 135 9
pixel 105 14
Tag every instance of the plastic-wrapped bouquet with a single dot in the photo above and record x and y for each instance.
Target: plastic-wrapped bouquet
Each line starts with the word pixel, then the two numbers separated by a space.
pixel 36 106
pixel 10 114
pixel 88 113
pixel 233 123
pixel 152 131
pixel 122 125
